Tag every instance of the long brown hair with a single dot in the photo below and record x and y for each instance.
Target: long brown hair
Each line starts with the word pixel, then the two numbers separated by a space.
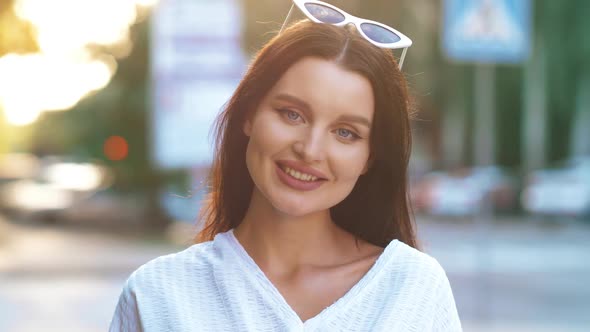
pixel 377 210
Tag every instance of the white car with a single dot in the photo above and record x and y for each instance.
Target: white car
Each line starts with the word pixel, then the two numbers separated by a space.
pixel 463 192
pixel 562 190
pixel 55 186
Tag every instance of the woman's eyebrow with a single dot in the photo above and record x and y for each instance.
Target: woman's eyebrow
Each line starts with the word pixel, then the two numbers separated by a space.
pixel 292 99
pixel 356 119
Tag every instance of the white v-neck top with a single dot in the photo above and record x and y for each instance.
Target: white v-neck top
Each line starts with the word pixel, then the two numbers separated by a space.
pixel 216 286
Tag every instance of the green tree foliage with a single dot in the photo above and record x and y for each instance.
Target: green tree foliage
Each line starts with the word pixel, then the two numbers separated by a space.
pixel 564 27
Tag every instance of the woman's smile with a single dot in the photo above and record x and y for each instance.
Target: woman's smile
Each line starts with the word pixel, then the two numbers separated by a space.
pixel 298 176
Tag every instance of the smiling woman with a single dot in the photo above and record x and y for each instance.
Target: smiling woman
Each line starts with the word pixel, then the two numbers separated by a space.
pixel 307 226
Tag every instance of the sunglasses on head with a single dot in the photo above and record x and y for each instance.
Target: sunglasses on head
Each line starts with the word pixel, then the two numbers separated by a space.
pixel 376 33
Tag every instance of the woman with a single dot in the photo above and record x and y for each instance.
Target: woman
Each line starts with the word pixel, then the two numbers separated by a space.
pixel 308 224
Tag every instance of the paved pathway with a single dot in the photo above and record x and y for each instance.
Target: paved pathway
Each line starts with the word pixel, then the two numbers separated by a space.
pixel 515 275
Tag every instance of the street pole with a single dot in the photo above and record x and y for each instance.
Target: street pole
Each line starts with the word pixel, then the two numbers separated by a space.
pixel 484 154
pixel 534 120
pixel 485 123
pixel 580 137
pixel 453 134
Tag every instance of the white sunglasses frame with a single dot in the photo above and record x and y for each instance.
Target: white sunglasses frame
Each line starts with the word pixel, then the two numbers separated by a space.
pixel 403 43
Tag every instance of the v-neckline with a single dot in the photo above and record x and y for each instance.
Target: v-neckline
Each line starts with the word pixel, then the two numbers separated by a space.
pixel 276 296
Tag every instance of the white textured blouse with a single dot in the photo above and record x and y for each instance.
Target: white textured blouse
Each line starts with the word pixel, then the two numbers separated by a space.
pixel 216 286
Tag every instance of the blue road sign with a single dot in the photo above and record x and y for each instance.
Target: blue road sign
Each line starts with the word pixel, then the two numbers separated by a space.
pixel 487 31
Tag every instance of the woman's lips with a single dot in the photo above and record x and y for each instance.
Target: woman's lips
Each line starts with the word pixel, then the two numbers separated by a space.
pixel 296 183
pixel 301 168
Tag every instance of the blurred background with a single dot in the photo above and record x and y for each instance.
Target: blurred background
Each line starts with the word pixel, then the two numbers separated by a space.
pixel 105 115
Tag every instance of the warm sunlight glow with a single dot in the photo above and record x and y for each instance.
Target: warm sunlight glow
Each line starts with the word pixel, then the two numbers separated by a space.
pixel 146 3
pixel 68 66
pixel 32 84
pixel 84 22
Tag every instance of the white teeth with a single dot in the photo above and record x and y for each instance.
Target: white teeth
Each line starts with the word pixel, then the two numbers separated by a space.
pixel 299 176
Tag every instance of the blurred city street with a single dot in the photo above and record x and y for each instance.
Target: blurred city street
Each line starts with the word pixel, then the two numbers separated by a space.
pixel 514 275
pixel 107 133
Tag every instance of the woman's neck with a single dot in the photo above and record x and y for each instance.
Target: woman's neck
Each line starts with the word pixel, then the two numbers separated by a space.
pixel 281 243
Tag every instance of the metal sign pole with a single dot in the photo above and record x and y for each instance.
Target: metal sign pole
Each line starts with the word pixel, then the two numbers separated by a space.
pixel 484 115
pixel 484 156
pixel 534 122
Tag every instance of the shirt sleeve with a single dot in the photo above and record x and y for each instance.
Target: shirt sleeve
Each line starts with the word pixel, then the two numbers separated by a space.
pixel 126 317
pixel 446 318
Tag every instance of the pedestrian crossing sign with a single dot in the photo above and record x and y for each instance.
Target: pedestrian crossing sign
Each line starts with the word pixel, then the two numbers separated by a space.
pixel 487 31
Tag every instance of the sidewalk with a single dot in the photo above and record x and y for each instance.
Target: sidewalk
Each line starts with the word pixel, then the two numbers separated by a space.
pixel 66 279
pixel 48 250
pixel 515 274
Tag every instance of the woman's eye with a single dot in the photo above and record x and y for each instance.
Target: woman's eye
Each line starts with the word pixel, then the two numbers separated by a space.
pixel 294 116
pixel 345 133
pixel 290 115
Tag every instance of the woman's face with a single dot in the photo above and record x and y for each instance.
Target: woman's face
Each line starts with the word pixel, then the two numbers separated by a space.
pixel 309 137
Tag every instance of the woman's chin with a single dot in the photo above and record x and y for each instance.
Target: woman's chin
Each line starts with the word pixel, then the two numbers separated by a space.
pixel 294 212
pixel 296 209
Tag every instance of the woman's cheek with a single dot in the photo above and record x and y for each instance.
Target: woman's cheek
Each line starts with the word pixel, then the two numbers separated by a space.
pixel 352 160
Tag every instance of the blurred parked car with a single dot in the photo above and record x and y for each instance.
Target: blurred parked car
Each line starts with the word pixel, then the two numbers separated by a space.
pixel 50 186
pixel 462 192
pixel 560 190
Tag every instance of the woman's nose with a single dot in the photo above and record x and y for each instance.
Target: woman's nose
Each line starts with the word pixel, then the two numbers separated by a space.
pixel 311 147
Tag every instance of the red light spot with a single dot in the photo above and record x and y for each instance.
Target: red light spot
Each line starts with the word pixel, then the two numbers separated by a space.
pixel 116 148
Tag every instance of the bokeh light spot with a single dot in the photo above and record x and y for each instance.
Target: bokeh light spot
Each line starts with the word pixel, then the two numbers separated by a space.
pixel 116 148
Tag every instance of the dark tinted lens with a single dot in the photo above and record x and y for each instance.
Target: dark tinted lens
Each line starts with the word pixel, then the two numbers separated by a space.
pixel 324 14
pixel 379 34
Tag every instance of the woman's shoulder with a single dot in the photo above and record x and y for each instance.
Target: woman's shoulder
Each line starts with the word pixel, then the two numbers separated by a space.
pixel 166 286
pixel 412 262
pixel 194 262
pixel 193 254
pixel 408 276
pixel 415 284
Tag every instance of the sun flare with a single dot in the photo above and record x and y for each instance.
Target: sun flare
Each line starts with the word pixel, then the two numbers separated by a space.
pixel 67 67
